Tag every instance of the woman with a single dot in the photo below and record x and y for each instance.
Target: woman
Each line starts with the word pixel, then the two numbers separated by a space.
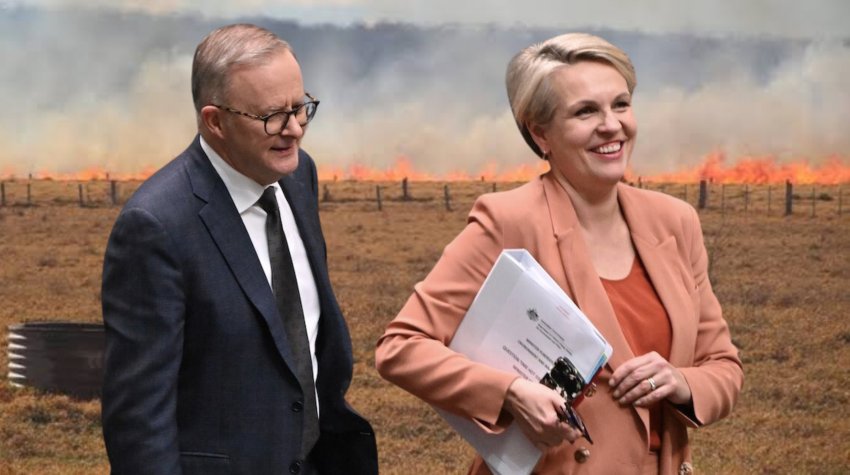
pixel 633 260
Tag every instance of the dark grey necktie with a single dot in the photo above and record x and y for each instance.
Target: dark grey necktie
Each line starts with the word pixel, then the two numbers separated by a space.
pixel 285 287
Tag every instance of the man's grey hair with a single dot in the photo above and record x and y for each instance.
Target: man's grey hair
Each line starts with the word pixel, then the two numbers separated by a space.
pixel 223 50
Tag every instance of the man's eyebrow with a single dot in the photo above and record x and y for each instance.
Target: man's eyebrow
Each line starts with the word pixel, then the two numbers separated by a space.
pixel 276 108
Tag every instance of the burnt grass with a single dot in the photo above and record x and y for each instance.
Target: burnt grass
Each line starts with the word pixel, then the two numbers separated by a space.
pixel 784 283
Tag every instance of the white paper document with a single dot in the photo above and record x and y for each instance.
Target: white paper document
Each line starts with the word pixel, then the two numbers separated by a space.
pixel 521 321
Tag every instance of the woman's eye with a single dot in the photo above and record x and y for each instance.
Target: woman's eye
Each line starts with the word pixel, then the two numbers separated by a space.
pixel 622 105
pixel 584 111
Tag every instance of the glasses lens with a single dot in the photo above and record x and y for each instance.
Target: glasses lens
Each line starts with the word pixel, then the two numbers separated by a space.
pixel 305 113
pixel 276 122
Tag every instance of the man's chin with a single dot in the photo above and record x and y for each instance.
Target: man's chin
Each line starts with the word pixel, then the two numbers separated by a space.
pixel 285 161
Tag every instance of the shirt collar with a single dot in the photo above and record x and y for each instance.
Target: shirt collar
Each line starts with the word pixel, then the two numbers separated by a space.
pixel 243 191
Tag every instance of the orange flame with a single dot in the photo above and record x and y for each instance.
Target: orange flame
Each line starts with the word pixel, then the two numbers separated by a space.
pixel 403 168
pixel 752 170
pixel 759 170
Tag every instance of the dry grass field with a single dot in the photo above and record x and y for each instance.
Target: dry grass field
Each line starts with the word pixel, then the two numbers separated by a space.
pixel 784 283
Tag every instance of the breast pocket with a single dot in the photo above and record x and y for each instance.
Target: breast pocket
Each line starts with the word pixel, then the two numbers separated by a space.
pixel 204 463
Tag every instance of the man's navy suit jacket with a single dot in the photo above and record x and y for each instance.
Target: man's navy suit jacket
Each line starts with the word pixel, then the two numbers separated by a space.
pixel 198 374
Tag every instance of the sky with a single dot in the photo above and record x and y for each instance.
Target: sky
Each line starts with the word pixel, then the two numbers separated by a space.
pixel 785 18
pixel 105 83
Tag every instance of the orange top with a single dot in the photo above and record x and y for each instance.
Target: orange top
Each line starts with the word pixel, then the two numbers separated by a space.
pixel 645 325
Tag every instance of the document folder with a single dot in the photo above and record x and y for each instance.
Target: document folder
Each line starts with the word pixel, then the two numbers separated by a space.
pixel 521 321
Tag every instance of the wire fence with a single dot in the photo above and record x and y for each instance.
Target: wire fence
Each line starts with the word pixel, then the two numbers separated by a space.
pixel 766 199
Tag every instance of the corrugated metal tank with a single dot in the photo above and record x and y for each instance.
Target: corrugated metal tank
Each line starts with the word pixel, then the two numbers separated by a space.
pixel 59 357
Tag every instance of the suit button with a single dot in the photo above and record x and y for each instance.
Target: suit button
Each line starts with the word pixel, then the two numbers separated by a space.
pixel 582 455
pixel 295 467
pixel 297 406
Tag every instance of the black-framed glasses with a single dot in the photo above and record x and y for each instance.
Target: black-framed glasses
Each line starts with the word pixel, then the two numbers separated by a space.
pixel 275 122
pixel 565 378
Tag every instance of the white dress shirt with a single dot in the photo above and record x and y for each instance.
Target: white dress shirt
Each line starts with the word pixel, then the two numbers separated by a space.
pixel 245 192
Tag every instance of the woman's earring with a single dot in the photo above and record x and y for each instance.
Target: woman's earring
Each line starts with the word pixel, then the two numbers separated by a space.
pixel 545 155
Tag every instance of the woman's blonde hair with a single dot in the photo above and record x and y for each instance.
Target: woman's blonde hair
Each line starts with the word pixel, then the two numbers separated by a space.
pixel 527 79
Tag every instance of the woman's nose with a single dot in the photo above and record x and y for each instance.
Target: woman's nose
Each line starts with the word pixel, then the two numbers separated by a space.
pixel 610 122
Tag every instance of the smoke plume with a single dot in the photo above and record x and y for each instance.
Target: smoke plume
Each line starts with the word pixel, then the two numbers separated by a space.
pixel 93 88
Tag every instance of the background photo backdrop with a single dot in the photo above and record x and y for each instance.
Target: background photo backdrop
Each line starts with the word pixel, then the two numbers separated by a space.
pixel 745 94
pixel 99 86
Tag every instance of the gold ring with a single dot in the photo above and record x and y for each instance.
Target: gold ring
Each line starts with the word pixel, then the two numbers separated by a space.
pixel 652 385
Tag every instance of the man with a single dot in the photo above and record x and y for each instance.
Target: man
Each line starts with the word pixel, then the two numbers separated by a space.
pixel 226 349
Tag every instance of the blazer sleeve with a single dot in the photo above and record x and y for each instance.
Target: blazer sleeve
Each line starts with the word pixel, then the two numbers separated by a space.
pixel 413 352
pixel 143 311
pixel 716 376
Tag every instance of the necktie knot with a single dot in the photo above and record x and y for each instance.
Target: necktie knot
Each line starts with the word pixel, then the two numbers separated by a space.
pixel 268 201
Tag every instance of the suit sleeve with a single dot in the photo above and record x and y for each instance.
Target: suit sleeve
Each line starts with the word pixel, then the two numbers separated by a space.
pixel 413 352
pixel 143 312
pixel 717 376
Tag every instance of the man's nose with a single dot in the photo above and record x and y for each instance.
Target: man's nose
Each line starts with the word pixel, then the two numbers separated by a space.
pixel 292 129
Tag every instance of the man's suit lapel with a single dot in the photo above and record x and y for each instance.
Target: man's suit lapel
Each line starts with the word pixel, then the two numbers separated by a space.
pixel 228 231
pixel 302 203
pixel 333 344
pixel 299 200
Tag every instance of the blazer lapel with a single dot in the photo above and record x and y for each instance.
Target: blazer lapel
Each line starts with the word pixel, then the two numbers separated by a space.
pixel 299 200
pixel 582 280
pixel 228 231
pixel 659 253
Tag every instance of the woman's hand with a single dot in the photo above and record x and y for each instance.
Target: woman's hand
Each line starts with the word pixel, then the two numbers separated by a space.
pixel 647 379
pixel 536 409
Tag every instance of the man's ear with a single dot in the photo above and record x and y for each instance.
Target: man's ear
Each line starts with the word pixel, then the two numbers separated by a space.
pixel 211 120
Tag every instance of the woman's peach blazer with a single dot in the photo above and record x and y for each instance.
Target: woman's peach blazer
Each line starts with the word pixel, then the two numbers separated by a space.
pixel 539 217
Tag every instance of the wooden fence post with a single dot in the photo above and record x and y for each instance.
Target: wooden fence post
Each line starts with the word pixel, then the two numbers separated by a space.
pixel 29 194
pixel 789 197
pixel 113 191
pixel 703 194
pixel 447 197
pixel 723 199
pixel 840 192
pixel 685 193
pixel 378 195
pixel 769 189
pixel 326 193
pixel 494 187
pixel 405 196
pixel 3 194
pixel 746 198
pixel 80 190
pixel 814 200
